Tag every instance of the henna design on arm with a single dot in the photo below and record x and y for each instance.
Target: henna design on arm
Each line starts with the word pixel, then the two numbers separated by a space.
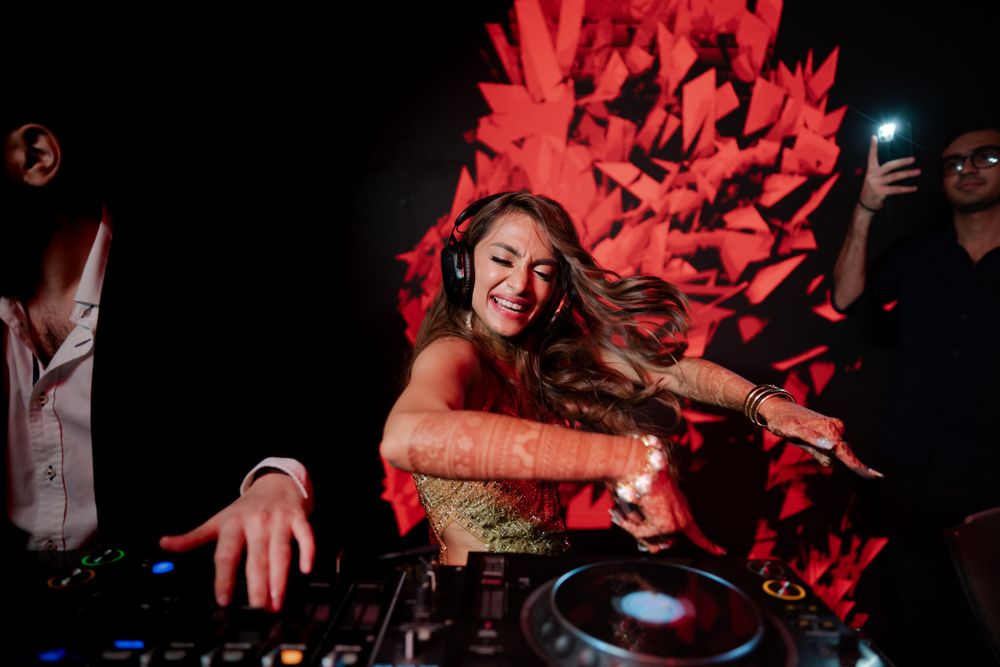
pixel 477 445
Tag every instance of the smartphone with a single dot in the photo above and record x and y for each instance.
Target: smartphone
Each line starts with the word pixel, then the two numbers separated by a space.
pixel 895 140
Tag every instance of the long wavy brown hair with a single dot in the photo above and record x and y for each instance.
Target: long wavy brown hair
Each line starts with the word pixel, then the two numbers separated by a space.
pixel 556 369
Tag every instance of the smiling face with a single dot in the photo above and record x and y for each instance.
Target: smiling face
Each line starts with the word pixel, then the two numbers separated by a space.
pixel 515 274
pixel 974 188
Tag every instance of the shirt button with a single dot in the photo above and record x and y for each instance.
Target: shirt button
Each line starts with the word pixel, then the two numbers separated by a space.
pixel 43 399
pixel 50 545
pixel 50 473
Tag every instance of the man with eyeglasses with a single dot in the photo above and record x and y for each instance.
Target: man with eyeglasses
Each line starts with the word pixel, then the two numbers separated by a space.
pixel 939 439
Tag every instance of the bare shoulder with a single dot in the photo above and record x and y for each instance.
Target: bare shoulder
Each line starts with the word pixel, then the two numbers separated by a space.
pixel 450 351
pixel 452 358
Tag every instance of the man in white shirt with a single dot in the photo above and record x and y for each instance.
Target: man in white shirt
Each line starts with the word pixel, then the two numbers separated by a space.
pixel 74 473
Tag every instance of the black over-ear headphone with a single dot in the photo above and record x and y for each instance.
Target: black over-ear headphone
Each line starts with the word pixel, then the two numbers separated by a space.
pixel 456 256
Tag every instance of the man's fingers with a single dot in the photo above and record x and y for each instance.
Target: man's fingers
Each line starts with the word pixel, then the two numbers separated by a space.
pixel 227 558
pixel 892 165
pixel 203 534
pixel 307 543
pixel 279 559
pixel 900 175
pixel 258 555
pixel 873 154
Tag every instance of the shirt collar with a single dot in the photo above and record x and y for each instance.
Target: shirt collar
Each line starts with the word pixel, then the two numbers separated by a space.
pixel 88 293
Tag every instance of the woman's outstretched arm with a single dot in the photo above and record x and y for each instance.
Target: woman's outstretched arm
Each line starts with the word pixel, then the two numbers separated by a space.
pixel 707 382
pixel 430 431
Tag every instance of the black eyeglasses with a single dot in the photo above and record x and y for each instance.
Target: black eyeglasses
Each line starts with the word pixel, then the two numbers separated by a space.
pixel 982 157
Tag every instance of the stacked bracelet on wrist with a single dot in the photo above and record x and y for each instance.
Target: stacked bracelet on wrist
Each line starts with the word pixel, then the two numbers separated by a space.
pixel 755 399
pixel 633 488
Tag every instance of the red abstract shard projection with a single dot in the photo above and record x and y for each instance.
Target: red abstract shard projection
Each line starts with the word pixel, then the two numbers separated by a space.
pixel 682 150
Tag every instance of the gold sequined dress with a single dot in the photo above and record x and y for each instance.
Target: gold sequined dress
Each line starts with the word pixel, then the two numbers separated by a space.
pixel 514 515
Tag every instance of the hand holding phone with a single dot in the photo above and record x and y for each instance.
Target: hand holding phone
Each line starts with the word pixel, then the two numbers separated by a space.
pixel 889 172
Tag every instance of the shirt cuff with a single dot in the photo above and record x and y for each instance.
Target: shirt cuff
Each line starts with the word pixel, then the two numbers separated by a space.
pixel 290 467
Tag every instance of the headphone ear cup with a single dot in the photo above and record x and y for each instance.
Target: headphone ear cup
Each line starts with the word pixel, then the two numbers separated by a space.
pixel 457 274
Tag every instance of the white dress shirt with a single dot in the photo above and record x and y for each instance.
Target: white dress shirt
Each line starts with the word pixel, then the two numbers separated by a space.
pixel 50 453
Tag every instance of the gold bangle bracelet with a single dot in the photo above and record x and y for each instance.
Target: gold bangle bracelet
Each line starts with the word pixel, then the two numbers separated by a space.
pixel 756 398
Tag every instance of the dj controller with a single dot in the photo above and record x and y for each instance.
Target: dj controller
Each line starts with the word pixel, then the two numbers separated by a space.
pixel 112 607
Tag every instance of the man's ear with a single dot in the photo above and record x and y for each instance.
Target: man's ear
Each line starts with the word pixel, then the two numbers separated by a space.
pixel 32 155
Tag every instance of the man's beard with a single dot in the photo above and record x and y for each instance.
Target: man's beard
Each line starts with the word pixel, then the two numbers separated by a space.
pixel 977 206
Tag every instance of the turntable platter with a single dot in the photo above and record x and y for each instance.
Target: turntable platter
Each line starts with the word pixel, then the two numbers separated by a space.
pixel 641 612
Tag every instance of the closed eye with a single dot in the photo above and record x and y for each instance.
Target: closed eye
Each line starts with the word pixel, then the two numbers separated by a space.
pixel 547 277
pixel 501 261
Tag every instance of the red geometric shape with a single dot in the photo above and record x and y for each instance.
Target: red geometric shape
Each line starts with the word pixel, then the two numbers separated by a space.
pixel 568 35
pixel 814 154
pixel 584 512
pixel 752 37
pixel 777 186
pixel 769 12
pixel 503 98
pixel 819 83
pixel 698 110
pixel 651 128
pixel 750 326
pixel 770 440
pixel 796 387
pixel 765 106
pixel 507 53
pixel 796 501
pixel 746 218
pixel 542 73
pixel 673 122
pixel 638 60
pixel 826 310
pixel 769 277
pixel 820 372
pixel 832 121
pixel 726 100
pixel 737 250
pixel 609 84
pixel 814 283
pixel 814 200
pixel 401 493
pixel 620 138
pixel 682 57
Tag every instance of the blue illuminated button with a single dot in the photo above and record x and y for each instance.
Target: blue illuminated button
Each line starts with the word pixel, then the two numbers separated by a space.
pixel 129 644
pixel 52 655
pixel 163 567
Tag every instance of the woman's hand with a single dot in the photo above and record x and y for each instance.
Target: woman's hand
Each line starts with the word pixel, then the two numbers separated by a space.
pixel 662 512
pixel 817 434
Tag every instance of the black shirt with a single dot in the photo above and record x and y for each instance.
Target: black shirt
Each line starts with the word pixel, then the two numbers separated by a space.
pixel 943 420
